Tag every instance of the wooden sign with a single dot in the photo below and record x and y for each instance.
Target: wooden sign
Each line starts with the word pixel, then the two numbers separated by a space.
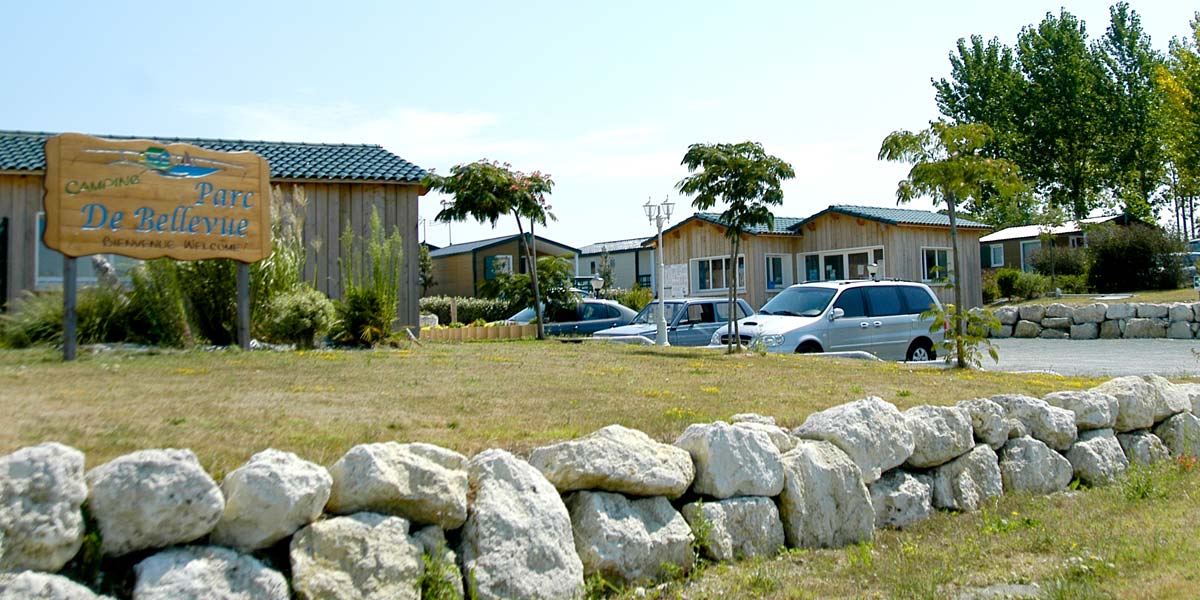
pixel 144 199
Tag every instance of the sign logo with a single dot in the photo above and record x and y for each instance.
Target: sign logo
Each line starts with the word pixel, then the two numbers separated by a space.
pixel 147 200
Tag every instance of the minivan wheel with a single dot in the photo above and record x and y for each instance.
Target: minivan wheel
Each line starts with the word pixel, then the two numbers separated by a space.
pixel 921 350
pixel 808 348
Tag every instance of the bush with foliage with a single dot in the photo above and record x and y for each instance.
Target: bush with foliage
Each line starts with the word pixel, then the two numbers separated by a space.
pixel 469 309
pixel 298 317
pixel 1031 285
pixel 370 285
pixel 1006 280
pixel 1059 260
pixel 210 289
pixel 1072 284
pixel 1131 258
pixel 991 290
pixel 636 298
pixel 157 313
pixel 967 348
pixel 32 318
pixel 554 277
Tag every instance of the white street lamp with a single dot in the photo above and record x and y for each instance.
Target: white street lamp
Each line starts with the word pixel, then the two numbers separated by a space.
pixel 659 214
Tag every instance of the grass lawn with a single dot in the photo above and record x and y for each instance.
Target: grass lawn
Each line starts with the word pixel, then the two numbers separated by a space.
pixel 1149 297
pixel 469 397
pixel 228 405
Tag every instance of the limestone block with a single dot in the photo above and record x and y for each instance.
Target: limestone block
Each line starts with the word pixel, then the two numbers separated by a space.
pixel 732 461
pixel 420 482
pixel 825 503
pixel 41 491
pixel 871 431
pixel 152 499
pixel 616 459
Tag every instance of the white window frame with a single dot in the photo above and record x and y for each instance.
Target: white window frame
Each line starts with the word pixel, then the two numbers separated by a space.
pixel 1077 241
pixel 496 271
pixel 694 274
pixel 925 266
pixel 845 252
pixel 785 265
pixel 992 254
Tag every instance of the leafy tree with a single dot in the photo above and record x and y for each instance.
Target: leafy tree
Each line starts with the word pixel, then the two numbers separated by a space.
pixel 748 181
pixel 1179 79
pixel 1063 113
pixel 985 86
pixel 950 166
pixel 425 275
pixel 555 273
pixel 1132 145
pixel 486 191
pixel 605 270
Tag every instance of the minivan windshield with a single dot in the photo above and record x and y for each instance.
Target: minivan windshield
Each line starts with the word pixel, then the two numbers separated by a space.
pixel 649 314
pixel 799 302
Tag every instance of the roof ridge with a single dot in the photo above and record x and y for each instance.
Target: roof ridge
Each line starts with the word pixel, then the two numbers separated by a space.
pixel 13 132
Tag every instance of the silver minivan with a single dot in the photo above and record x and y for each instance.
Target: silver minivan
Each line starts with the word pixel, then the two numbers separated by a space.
pixel 880 317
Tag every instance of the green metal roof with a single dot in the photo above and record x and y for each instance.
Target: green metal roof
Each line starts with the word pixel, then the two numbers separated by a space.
pixel 894 216
pixel 466 247
pixel 783 225
pixel 23 151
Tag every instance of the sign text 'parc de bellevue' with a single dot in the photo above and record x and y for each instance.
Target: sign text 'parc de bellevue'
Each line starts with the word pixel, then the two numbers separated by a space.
pixel 145 199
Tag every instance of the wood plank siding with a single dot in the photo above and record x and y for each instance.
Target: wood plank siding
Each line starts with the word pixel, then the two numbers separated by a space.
pixel 330 207
pixel 902 247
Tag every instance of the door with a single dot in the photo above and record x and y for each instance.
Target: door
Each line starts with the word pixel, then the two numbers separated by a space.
pixel 891 324
pixel 851 331
pixel 695 325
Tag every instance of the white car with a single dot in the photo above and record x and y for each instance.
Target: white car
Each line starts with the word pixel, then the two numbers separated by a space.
pixel 880 317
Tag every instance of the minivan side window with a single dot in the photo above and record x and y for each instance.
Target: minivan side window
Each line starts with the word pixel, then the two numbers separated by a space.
pixel 916 299
pixel 884 301
pixel 851 301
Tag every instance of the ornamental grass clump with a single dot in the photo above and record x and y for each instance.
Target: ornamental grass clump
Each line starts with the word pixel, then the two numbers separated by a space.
pixel 370 285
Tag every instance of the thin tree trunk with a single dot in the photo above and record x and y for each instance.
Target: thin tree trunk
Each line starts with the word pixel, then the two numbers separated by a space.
pixel 957 281
pixel 732 295
pixel 537 296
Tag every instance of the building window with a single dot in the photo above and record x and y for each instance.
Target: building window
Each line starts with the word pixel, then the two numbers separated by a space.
pixel 713 273
pixel 494 266
pixel 779 271
pixel 1027 250
pixel 935 265
pixel 1078 241
pixel 48 264
pixel 997 252
pixel 848 263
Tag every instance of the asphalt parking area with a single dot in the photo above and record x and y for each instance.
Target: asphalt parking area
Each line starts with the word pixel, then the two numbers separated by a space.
pixel 1169 358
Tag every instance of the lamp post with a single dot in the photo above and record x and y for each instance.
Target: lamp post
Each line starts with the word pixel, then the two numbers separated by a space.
pixel 659 214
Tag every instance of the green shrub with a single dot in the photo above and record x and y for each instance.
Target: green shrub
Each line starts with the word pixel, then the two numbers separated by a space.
pixel 1006 280
pixel 636 298
pixel 100 313
pixel 1135 257
pixel 33 318
pixel 991 291
pixel 1060 260
pixel 282 271
pixel 210 290
pixel 1031 285
pixel 298 317
pixel 156 312
pixel 469 309
pixel 1073 284
pixel 370 285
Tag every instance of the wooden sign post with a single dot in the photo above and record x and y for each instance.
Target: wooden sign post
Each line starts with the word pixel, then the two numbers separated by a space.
pixel 144 199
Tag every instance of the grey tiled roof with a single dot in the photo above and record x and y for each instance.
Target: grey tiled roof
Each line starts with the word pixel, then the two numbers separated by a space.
pixel 783 225
pixel 613 246
pixel 895 216
pixel 23 151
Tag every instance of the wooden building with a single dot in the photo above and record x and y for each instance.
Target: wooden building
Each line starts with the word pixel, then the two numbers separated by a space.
pixel 632 263
pixel 343 185
pixel 840 242
pixel 1013 247
pixel 458 269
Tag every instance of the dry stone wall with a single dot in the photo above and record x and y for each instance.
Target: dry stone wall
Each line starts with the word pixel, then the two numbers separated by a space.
pixel 1178 320
pixel 615 504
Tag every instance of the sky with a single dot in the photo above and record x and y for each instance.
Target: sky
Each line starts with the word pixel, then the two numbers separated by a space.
pixel 604 96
